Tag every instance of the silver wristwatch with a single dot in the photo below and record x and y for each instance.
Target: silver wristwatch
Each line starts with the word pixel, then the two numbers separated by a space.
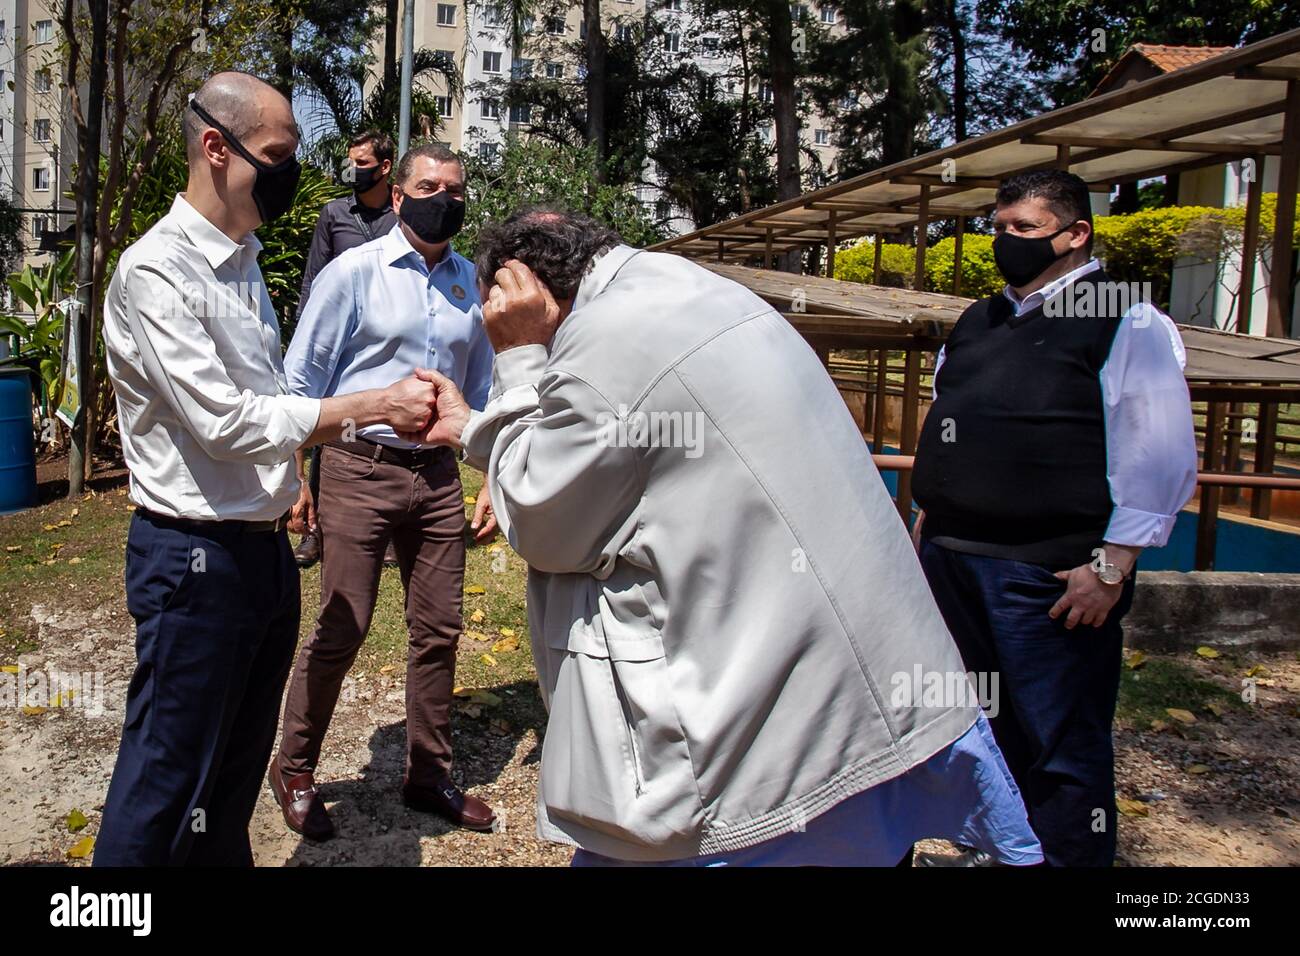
pixel 1109 573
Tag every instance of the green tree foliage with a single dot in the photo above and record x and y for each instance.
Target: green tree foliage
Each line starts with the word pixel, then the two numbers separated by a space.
pixel 11 235
pixel 535 171
pixel 979 274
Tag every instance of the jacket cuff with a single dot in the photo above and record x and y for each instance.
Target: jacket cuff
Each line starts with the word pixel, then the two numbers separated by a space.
pixel 522 365
pixel 1139 529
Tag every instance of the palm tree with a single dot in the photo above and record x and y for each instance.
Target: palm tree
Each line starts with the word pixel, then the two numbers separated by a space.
pixel 352 110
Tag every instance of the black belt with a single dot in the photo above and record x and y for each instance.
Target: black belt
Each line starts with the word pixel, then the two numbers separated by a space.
pixel 405 457
pixel 213 525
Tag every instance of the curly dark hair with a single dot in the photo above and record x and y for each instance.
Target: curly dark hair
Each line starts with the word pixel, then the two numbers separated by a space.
pixel 556 243
pixel 1065 193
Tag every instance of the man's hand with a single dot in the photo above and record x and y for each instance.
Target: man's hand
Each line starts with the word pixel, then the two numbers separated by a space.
pixel 484 522
pixel 916 531
pixel 519 310
pixel 302 518
pixel 450 414
pixel 408 404
pixel 1086 598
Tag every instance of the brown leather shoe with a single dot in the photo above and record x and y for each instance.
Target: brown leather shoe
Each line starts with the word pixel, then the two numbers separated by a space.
pixel 304 811
pixel 448 801
pixel 390 556
pixel 308 551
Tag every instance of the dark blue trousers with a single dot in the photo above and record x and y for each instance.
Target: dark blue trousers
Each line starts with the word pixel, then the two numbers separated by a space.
pixel 216 610
pixel 1057 690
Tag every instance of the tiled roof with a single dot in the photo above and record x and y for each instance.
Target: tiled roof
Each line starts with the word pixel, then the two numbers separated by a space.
pixel 1170 58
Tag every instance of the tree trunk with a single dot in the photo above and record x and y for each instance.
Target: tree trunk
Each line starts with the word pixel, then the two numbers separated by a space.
pixel 781 57
pixel 81 453
pixel 957 34
pixel 283 79
pixel 390 44
pixel 597 134
pixel 901 103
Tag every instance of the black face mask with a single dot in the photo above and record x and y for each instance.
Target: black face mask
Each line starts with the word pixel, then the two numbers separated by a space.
pixel 275 186
pixel 364 177
pixel 433 218
pixel 1021 259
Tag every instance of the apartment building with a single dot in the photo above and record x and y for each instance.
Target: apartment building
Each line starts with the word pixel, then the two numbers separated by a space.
pixel 37 135
pixel 478 38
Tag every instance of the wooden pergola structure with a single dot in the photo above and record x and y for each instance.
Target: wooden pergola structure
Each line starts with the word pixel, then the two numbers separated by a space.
pixel 1241 105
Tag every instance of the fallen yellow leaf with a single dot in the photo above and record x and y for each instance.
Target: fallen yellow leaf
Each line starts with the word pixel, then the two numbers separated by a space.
pixel 1136 660
pixel 13 547
pixel 488 659
pixel 477 616
pixel 1158 725
pixel 506 645
pixel 1180 715
pixel 1215 708
pixel 476 635
pixel 1132 808
pixel 1257 670
pixel 75 512
pixel 470 500
pixel 9 669
pixel 1198 768
pixel 74 560
pixel 82 848
pixel 476 589
pixel 486 698
pixel 33 711
pixel 1209 652
pixel 77 821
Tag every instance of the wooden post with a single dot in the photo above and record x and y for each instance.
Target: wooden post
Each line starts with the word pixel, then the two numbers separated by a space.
pixel 1279 282
pixel 720 246
pixel 907 438
pixel 882 395
pixel 1261 499
pixel 1232 456
pixel 922 225
pixel 830 245
pixel 1063 157
pixel 875 267
pixel 767 249
pixel 1207 522
pixel 956 256
pixel 1249 247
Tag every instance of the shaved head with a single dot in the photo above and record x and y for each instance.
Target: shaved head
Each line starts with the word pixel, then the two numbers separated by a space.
pixel 240 102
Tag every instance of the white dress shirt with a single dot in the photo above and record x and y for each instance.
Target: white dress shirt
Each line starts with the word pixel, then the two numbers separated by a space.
pixel 377 312
pixel 193 348
pixel 1151 456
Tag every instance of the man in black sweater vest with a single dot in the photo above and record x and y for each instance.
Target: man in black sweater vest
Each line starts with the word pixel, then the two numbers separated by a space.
pixel 1059 445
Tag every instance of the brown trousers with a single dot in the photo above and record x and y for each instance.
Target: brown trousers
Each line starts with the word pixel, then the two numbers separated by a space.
pixel 363 503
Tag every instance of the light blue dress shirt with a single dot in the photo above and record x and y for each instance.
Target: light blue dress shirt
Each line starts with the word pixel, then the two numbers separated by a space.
pixel 377 313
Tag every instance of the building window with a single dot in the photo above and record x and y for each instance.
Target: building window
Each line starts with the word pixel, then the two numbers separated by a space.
pixel 623 33
pixel 528 24
pixel 672 42
pixel 446 14
pixel 446 57
pixel 41 131
pixel 489 109
pixel 41 179
pixel 711 44
pixel 491 15
pixel 555 71
pixel 798 12
pixel 521 69
pixel 40 224
pixel 491 61
pixel 822 137
pixel 555 26
pixel 829 13
pixel 42 80
pixel 521 113
pixel 486 151
pixel 44 31
pixel 765 92
pixel 550 115
pixel 443 103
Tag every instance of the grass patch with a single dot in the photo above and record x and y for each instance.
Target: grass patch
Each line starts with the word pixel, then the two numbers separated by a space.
pixel 1145 693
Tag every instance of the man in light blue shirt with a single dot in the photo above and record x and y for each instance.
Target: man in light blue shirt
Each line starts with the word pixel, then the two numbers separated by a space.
pixel 404 301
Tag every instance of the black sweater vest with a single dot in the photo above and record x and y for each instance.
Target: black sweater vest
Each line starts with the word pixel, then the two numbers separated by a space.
pixel 1012 458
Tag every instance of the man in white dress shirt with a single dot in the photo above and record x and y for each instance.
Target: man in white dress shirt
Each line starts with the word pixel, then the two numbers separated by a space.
pixel 209 431
pixel 1059 445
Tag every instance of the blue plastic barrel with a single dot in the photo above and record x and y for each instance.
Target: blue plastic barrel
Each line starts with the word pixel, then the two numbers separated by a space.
pixel 17 443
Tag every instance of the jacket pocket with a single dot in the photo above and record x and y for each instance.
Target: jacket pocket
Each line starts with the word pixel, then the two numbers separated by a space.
pixel 615 757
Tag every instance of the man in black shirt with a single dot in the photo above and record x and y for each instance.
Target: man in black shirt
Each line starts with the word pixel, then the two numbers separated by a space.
pixel 345 223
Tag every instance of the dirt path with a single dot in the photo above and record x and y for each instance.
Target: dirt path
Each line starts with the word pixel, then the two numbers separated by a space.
pixel 1219 791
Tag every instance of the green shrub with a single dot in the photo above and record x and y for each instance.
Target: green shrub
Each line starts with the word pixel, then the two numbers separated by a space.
pixel 979 274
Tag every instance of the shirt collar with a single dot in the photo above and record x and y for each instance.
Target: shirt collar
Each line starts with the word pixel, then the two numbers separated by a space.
pixel 217 247
pixel 358 206
pixel 603 269
pixel 1035 299
pixel 397 247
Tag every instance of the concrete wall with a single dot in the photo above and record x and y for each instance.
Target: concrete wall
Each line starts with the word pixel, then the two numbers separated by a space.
pixel 1176 610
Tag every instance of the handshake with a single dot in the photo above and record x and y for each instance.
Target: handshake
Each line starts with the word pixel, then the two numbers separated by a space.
pixel 426 408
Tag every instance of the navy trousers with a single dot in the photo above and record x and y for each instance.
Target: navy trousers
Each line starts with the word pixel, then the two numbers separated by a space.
pixel 216 610
pixel 1057 690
